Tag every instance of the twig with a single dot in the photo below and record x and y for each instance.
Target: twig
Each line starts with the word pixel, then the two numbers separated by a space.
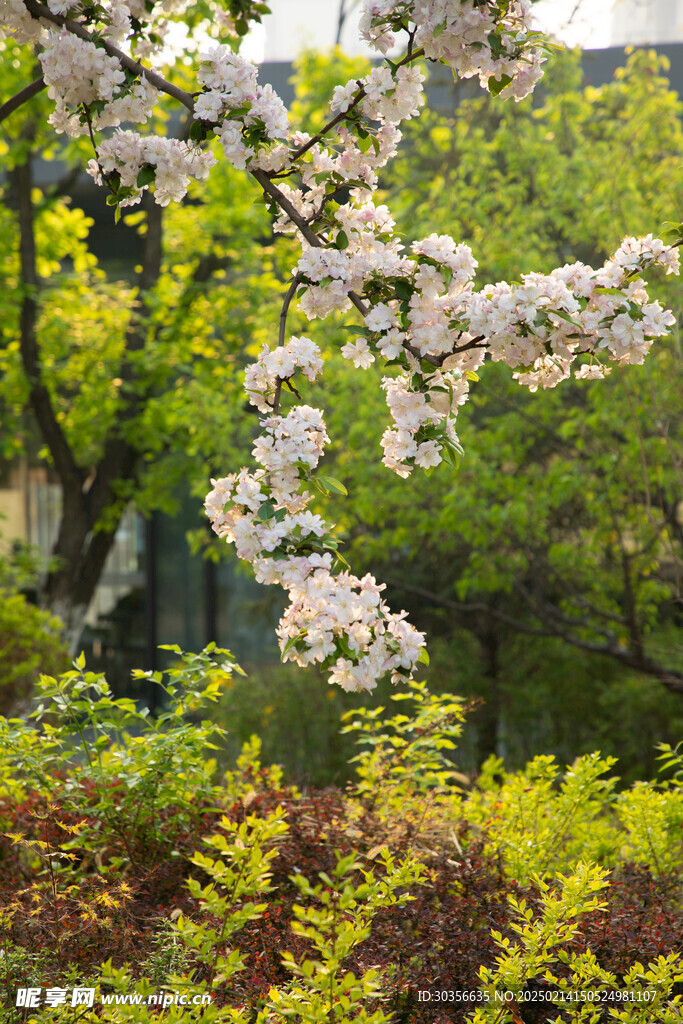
pixel 343 115
pixel 306 230
pixel 337 119
pixel 287 207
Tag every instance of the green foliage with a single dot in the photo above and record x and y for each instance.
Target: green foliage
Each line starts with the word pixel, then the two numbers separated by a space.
pixel 131 768
pixel 542 820
pixel 403 770
pixel 543 939
pixel 539 937
pixel 102 803
pixel 238 876
pixel 336 919
pixel 539 820
pixel 29 642
pixel 525 184
pixel 652 819
pixel 269 703
pixel 29 638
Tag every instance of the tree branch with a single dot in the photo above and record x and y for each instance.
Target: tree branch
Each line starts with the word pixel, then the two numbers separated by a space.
pixel 309 234
pixel 636 659
pixel 672 679
pixel 25 94
pixel 467 606
pixel 39 10
pixel 343 115
pixel 285 309
pixel 286 206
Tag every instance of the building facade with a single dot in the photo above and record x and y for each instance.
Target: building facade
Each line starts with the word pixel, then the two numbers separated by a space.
pixel 646 22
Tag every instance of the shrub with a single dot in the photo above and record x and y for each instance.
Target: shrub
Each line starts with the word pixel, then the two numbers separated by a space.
pixel 30 641
pixel 127 865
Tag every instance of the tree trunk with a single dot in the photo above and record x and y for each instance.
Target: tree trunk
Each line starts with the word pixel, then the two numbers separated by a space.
pixel 81 547
pixel 488 716
pixel 70 587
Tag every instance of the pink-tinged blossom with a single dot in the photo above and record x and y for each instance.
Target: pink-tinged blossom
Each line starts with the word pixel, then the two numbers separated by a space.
pixel 343 97
pixel 359 353
pixel 174 162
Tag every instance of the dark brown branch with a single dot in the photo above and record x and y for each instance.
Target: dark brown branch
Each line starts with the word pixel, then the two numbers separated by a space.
pixel 281 340
pixel 332 123
pixel 634 633
pixel 26 94
pixel 672 679
pixel 573 594
pixel 287 207
pixel 39 10
pixel 467 607
pixel 285 309
pixel 636 659
pixel 549 613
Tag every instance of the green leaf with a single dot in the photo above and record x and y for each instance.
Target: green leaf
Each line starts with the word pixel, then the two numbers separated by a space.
pixel 146 175
pixel 496 85
pixel 332 484
pixel 403 289
pixel 292 641
pixel 197 131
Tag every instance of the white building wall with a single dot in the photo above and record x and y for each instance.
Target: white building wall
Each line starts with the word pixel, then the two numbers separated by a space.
pixel 647 21
pixel 295 25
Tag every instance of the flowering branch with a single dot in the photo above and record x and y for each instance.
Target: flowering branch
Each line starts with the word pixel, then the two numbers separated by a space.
pixel 343 115
pixel 420 309
pixel 39 10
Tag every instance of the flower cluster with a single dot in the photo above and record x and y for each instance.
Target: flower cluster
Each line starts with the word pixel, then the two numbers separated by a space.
pixel 81 75
pixel 493 41
pixel 17 23
pixel 272 367
pixel 423 408
pixel 128 162
pixel 247 117
pixel 90 88
pixel 334 618
pixel 426 309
